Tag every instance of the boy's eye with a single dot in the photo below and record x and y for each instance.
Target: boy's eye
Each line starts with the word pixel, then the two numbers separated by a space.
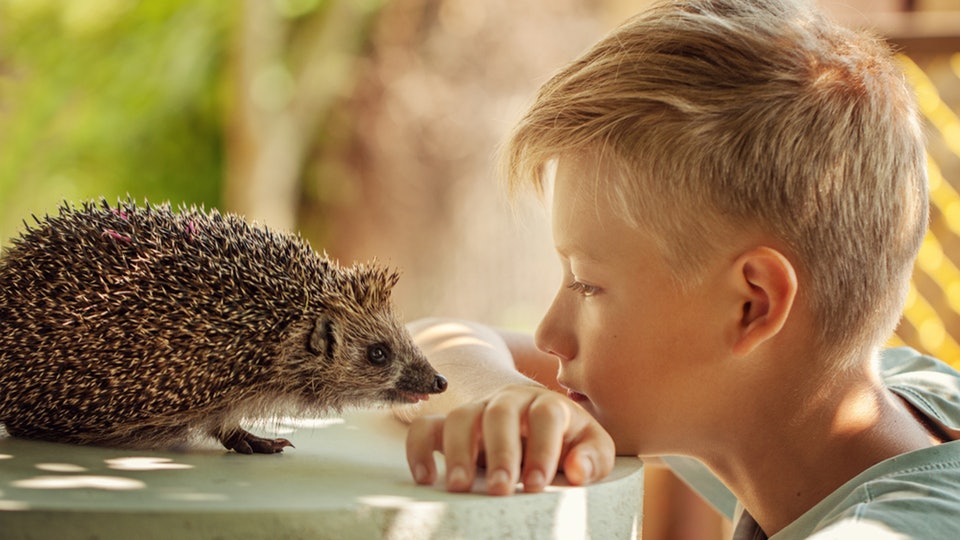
pixel 583 289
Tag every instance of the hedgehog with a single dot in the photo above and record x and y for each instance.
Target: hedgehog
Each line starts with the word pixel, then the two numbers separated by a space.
pixel 139 326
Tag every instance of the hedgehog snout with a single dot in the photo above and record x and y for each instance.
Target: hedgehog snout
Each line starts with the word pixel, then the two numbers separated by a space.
pixel 439 383
pixel 421 378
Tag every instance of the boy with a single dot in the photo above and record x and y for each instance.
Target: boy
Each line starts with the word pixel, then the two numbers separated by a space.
pixel 739 193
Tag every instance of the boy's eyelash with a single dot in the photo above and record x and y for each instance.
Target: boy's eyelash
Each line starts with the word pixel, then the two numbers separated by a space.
pixel 583 289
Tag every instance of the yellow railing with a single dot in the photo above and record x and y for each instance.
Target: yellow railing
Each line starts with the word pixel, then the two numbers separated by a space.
pixel 925 312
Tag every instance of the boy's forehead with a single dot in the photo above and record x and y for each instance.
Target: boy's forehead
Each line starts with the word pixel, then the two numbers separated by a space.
pixel 572 190
pixel 579 184
pixel 584 221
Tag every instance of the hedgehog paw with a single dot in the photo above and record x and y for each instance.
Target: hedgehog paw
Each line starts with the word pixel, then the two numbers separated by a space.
pixel 244 442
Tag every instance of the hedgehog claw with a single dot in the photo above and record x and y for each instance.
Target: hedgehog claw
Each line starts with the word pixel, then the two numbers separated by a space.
pixel 269 446
pixel 244 442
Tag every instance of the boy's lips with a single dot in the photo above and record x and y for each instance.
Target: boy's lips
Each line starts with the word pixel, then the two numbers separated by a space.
pixel 573 394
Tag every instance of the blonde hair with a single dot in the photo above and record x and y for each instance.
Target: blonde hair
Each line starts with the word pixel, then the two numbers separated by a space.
pixel 722 115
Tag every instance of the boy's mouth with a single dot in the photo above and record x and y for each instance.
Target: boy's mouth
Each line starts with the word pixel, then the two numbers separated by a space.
pixel 574 396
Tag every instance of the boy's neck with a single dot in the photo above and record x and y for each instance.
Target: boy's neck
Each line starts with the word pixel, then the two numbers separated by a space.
pixel 793 446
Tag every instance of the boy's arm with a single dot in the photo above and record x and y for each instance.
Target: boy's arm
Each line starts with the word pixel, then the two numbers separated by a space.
pixel 494 410
pixel 475 360
pixel 530 360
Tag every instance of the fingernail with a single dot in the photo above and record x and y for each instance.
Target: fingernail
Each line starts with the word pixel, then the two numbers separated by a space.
pixel 498 478
pixel 534 481
pixel 586 465
pixel 457 478
pixel 420 473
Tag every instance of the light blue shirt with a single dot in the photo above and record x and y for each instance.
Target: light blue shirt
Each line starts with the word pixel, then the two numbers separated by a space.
pixel 913 495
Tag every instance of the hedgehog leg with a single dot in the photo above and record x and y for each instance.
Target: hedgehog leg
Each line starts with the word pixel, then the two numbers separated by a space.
pixel 244 442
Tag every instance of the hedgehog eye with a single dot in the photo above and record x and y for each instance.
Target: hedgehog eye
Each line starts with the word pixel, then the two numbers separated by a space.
pixel 378 354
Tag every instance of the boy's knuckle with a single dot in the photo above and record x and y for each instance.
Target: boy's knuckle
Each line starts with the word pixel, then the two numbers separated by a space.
pixel 419 428
pixel 548 410
pixel 502 408
pixel 461 415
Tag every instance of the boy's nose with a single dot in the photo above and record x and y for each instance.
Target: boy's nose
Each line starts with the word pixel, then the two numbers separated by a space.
pixel 553 336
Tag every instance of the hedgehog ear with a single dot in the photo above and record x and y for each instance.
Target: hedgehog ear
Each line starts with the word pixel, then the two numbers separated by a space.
pixel 322 341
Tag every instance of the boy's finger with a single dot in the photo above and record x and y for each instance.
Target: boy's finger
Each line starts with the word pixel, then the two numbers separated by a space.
pixel 591 455
pixel 547 420
pixel 424 437
pixel 461 434
pixel 500 428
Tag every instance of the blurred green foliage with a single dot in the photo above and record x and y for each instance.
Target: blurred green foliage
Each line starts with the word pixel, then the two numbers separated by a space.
pixel 110 98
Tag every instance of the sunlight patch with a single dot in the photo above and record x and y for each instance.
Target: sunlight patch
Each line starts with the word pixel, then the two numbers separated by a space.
pixel 108 483
pixel 13 506
pixel 144 464
pixel 60 467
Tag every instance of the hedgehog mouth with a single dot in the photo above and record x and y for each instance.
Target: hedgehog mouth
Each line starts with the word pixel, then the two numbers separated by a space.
pixel 402 396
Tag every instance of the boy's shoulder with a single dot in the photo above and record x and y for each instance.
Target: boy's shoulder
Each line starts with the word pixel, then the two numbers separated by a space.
pixel 915 495
pixel 912 496
pixel 930 385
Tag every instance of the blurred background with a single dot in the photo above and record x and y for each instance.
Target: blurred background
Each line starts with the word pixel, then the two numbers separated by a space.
pixel 370 126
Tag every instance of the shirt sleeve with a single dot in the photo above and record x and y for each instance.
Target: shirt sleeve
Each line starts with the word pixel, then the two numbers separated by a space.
pixel 852 528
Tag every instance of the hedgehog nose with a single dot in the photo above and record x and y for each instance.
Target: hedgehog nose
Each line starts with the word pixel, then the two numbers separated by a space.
pixel 439 383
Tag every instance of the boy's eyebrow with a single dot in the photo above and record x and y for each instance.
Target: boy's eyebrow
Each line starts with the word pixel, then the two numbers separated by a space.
pixel 566 252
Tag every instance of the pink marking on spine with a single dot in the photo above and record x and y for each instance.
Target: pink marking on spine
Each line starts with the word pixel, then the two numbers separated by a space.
pixel 116 236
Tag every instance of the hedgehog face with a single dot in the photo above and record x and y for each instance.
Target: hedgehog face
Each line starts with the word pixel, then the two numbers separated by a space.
pixel 382 349
pixel 355 355
pixel 349 348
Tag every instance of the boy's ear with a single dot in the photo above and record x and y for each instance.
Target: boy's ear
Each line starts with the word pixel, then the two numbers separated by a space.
pixel 766 284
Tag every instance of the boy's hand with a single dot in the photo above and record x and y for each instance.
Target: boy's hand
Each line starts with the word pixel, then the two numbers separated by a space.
pixel 520 433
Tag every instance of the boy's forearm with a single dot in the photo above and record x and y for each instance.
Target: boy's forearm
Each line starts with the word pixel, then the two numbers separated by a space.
pixel 474 358
pixel 530 360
